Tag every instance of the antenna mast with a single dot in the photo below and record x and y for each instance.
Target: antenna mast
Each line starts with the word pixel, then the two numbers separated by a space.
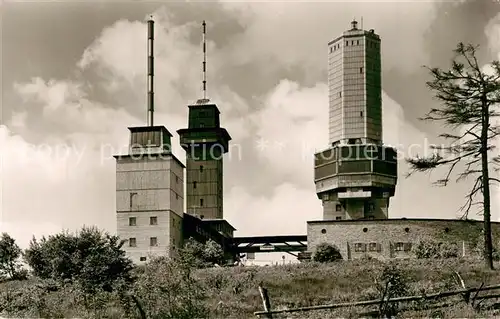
pixel 150 71
pixel 204 60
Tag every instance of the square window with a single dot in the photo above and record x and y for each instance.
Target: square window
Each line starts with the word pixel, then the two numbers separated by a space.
pixel 153 220
pixel 326 196
pixel 399 247
pixel 153 241
pixel 359 247
pixel 338 208
pixel 374 247
pixel 142 259
pixel 132 242
pixel 132 221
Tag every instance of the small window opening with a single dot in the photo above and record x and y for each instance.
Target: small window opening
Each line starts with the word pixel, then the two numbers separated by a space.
pixel 201 201
pixel 194 184
pixel 365 230
pixel 323 231
pixel 201 168
pixel 338 208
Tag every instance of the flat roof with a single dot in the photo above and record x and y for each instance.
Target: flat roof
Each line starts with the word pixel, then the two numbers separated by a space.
pixel 149 129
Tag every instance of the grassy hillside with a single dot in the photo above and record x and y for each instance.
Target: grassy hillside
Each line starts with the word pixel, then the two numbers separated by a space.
pixel 233 292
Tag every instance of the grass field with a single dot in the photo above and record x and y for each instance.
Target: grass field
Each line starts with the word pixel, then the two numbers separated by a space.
pixel 233 292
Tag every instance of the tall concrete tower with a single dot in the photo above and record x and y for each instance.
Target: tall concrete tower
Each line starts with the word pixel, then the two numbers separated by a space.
pixel 205 143
pixel 357 175
pixel 149 186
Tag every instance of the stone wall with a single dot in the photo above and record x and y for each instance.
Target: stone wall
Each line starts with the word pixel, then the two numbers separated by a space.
pixel 395 238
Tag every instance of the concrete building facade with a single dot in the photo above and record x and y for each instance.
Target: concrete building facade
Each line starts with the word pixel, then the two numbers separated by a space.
pixel 149 195
pixel 397 238
pixel 356 176
pixel 205 143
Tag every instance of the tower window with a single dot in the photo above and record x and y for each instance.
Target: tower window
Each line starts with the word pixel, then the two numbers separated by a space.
pixel 338 208
pixel 352 42
pixel 361 113
pixel 357 42
pixel 132 242
pixel 361 70
pixel 331 49
pixel 153 220
pixel 153 241
pixel 338 218
pixel 201 201
pixel 132 221
pixel 347 43
pixel 201 168
pixel 194 184
pixel 340 94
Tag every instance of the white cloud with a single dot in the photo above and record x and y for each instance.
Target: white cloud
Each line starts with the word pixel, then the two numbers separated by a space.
pixel 283 212
pixel 296 34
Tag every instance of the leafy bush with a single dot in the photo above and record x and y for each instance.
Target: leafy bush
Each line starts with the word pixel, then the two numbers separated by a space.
pixel 92 259
pixel 431 249
pixel 391 283
pixel 198 255
pixel 326 253
pixel 10 254
pixel 166 289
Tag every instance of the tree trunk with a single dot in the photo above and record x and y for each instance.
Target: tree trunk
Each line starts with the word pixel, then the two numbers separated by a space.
pixel 488 245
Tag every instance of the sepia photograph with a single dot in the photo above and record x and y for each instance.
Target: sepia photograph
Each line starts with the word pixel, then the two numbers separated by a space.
pixel 250 159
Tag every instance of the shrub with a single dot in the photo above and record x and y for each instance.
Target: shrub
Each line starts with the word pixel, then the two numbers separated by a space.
pixel 431 249
pixel 166 289
pixel 198 255
pixel 391 283
pixel 10 254
pixel 326 253
pixel 92 259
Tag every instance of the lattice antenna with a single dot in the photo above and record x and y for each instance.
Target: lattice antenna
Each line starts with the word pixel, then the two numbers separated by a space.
pixel 151 71
pixel 204 25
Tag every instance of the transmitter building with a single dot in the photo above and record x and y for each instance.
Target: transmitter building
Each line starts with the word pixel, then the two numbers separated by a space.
pixel 356 176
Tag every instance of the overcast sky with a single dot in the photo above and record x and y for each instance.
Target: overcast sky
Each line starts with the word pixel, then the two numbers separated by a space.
pixel 73 80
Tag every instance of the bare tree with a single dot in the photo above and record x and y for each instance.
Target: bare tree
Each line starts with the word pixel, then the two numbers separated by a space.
pixel 469 99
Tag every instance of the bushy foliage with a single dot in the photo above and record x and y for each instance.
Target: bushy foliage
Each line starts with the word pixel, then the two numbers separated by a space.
pixel 431 249
pixel 391 283
pixel 90 258
pixel 166 289
pixel 198 255
pixel 326 253
pixel 10 254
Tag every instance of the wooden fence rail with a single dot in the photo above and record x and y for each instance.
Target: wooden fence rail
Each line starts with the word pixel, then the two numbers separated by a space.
pixel 267 312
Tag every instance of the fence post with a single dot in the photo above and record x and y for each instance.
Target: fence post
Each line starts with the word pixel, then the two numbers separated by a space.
pixel 265 301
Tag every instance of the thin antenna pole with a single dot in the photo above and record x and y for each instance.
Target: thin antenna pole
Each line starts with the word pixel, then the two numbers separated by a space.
pixel 362 23
pixel 204 60
pixel 151 71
